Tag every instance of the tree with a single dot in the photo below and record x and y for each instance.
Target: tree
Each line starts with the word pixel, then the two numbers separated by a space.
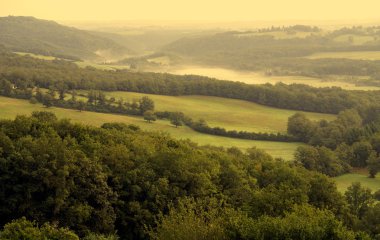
pixel 196 220
pixel 6 87
pixel 349 119
pixel 47 100
pixel 373 164
pixel 375 142
pixel 150 116
pixel 359 199
pixel 300 127
pixel 146 104
pixel 362 150
pixel 62 88
pixel 81 105
pixel 321 159
pixel 176 119
pixel 74 95
pixel 27 230
pixel 33 100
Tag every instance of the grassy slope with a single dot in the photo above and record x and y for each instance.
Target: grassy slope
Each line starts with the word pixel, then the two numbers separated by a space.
pixel 223 112
pixel 10 107
pixel 344 181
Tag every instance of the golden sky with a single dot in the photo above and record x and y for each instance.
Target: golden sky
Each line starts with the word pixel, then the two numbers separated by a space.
pixel 204 10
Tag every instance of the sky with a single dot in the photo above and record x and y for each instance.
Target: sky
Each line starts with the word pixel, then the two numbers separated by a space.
pixel 193 10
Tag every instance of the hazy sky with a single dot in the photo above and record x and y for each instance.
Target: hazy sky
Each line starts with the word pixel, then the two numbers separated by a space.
pixel 210 10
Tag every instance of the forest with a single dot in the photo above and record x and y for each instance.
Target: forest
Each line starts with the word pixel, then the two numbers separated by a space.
pixel 116 181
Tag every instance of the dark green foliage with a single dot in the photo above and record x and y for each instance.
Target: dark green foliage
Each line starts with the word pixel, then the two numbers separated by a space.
pixel 176 119
pixel 373 163
pixel 304 222
pixel 300 127
pixel 22 229
pixel 197 220
pixel 118 178
pixel 146 104
pixel 359 199
pixel 150 116
pixel 321 159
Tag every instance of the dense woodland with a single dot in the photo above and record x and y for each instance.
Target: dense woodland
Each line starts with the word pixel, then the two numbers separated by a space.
pixel 117 180
pixel 349 141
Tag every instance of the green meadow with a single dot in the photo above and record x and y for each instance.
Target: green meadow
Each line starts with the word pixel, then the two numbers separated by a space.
pixel 10 107
pixel 344 181
pixel 231 114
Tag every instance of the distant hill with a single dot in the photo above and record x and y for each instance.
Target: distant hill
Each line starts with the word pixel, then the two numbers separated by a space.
pixel 28 34
pixel 280 51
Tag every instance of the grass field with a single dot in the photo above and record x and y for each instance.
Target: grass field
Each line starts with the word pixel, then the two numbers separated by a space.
pixel 356 55
pixel 9 108
pixel 259 78
pixel 344 181
pixel 223 112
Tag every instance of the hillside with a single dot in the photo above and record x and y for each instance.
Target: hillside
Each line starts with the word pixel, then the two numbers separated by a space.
pixel 288 51
pixel 28 34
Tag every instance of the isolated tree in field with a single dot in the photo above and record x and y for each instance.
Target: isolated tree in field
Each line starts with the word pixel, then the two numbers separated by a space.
pixel 176 119
pixel 373 164
pixel 146 104
pixel 150 116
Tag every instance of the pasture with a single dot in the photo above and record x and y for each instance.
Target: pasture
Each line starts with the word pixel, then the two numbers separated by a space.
pixel 10 107
pixel 230 114
pixel 344 181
